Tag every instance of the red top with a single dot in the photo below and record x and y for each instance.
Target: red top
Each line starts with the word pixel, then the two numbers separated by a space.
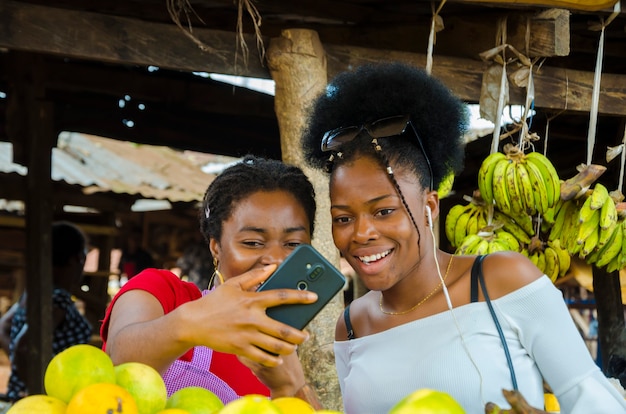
pixel 172 292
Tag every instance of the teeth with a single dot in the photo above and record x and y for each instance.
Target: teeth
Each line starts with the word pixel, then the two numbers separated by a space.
pixel 374 257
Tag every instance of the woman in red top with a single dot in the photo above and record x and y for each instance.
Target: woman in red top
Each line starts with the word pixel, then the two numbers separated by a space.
pixel 253 215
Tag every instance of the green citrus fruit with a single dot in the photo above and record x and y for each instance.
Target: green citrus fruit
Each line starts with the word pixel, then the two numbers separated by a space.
pixel 251 404
pixel 144 383
pixel 196 400
pixel 427 401
pixel 38 403
pixel 71 370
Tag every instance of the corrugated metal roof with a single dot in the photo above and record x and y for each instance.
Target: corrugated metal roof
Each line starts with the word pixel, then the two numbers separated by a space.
pixel 107 165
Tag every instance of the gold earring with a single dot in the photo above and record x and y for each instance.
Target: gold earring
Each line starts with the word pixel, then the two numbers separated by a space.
pixel 217 273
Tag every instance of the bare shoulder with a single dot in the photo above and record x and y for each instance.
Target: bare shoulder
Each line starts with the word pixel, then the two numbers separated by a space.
pixel 506 272
pixel 357 314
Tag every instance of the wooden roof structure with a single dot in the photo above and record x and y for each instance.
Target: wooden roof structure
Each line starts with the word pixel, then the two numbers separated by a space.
pixel 65 65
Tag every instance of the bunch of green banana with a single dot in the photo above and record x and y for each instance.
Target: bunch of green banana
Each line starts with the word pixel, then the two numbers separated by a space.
pixel 553 260
pixel 518 183
pixel 585 224
pixel 463 220
pixel 485 242
pixel 612 252
pixel 521 227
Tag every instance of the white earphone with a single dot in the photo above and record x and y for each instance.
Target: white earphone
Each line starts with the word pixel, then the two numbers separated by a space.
pixel 430 217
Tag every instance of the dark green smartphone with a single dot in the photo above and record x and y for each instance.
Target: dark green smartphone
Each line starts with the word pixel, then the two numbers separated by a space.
pixel 304 269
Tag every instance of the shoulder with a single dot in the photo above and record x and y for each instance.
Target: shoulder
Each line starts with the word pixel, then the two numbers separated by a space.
pixel 506 272
pixel 356 314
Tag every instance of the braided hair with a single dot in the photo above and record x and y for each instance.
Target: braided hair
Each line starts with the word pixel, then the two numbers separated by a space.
pixel 244 178
pixel 375 91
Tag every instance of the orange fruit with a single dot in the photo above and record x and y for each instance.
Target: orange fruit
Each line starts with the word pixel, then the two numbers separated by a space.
pixel 38 403
pixel 427 401
pixel 196 400
pixel 293 405
pixel 144 383
pixel 102 398
pixel 76 367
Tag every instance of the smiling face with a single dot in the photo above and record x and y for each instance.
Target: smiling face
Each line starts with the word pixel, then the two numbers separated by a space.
pixel 263 229
pixel 371 226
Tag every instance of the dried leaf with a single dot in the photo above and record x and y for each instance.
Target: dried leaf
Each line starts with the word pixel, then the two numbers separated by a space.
pixel 490 54
pixel 438 23
pixel 578 184
pixel 612 152
pixel 490 93
pixel 520 77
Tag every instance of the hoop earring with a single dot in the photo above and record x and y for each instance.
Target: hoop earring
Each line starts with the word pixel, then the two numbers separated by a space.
pixel 217 273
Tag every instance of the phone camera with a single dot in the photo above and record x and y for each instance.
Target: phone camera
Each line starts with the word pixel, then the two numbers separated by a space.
pixel 302 285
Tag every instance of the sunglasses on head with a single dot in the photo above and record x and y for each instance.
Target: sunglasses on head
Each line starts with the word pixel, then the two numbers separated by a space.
pixel 388 127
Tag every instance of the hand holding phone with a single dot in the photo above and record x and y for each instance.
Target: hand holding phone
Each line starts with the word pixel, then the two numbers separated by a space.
pixel 304 269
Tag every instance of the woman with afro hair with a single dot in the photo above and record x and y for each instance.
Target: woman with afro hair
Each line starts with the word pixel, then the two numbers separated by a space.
pixel 388 134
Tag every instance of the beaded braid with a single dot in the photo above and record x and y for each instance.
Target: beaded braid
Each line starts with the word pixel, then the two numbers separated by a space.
pixel 385 161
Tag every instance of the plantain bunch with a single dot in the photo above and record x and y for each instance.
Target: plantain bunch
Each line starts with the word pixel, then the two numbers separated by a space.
pixel 591 227
pixel 519 184
pixel 488 241
pixel 463 220
pixel 550 257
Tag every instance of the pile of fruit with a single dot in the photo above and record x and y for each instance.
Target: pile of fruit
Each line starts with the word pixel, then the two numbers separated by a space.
pixel 83 380
pixel 522 205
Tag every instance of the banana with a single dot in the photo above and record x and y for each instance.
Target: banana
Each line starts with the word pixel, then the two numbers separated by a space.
pixel 508 240
pixel 540 191
pixel 512 186
pixel 539 259
pixel 485 175
pixel 556 232
pixel 606 233
pixel 599 196
pixel 500 193
pixel 526 188
pixel 549 174
pixel 460 229
pixel 564 258
pixel 611 249
pixel 472 224
pixel 589 243
pixel 511 226
pixel 497 245
pixel 481 248
pixel 468 244
pixel 585 212
pixel 552 263
pixel 453 216
pixel 526 222
pixel 586 228
pixel 608 213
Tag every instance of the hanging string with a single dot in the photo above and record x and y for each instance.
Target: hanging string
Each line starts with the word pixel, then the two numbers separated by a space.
pixel 498 122
pixel 621 170
pixel 431 37
pixel 595 96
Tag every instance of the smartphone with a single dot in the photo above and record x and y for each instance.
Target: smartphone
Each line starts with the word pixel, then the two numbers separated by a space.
pixel 304 269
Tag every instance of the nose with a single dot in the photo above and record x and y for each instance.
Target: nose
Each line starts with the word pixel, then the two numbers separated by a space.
pixel 364 230
pixel 274 254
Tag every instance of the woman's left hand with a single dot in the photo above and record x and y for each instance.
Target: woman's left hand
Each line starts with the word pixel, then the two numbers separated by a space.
pixel 283 380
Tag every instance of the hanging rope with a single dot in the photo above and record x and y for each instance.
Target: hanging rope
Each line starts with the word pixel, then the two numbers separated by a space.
pixel 436 25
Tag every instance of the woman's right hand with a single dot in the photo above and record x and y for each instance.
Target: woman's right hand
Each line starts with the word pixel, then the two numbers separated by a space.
pixel 235 320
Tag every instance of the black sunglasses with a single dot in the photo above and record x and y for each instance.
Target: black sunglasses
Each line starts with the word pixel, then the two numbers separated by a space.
pixel 383 128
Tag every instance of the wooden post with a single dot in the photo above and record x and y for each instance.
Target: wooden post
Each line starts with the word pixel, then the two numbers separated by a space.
pixel 297 63
pixel 31 128
pixel 611 324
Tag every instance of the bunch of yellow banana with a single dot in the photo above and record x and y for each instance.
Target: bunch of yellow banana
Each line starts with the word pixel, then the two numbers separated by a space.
pixel 485 242
pixel 518 183
pixel 586 223
pixel 463 220
pixel 552 259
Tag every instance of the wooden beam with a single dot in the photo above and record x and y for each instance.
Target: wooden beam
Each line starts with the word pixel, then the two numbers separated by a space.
pixel 588 5
pixel 35 28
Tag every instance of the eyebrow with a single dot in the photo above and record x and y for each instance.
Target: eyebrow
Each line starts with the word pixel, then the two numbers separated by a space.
pixel 261 230
pixel 369 202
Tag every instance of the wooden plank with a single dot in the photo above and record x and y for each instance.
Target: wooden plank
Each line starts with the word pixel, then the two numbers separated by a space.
pixel 35 28
pixel 588 5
